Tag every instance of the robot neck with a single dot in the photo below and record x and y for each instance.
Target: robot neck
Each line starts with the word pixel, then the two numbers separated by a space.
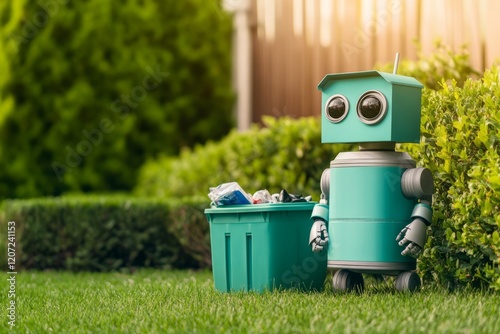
pixel 377 146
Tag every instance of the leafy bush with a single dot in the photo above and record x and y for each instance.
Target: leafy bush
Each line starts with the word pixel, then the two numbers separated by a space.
pixel 442 64
pixel 461 145
pixel 90 89
pixel 285 154
pixel 107 233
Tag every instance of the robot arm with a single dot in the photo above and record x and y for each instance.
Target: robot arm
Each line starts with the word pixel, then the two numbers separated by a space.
pixel 318 237
pixel 417 183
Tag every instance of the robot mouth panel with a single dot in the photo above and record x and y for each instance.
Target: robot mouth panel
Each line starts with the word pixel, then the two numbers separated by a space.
pixel 370 193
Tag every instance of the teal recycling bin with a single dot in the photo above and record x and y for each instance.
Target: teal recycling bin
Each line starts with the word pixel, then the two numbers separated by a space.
pixel 264 247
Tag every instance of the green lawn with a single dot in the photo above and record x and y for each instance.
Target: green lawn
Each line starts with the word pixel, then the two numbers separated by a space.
pixel 181 301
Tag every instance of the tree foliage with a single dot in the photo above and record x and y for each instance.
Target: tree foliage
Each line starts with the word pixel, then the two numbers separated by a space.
pixel 90 89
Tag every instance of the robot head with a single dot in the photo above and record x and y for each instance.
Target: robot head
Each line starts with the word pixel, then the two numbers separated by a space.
pixel 370 106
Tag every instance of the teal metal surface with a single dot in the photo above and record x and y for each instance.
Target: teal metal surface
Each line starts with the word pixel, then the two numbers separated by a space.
pixel 400 124
pixel 367 211
pixel 389 77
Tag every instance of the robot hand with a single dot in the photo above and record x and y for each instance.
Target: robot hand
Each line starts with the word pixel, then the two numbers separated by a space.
pixel 414 234
pixel 318 237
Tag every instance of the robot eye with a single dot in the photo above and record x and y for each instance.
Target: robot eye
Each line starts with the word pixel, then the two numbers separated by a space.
pixel 336 108
pixel 372 107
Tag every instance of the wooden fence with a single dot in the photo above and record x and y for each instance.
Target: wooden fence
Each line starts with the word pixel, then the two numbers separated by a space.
pixel 296 42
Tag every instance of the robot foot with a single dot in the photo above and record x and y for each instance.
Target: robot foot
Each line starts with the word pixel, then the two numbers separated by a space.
pixel 407 281
pixel 349 281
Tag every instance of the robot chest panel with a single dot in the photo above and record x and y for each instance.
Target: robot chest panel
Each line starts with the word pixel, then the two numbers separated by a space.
pixel 368 192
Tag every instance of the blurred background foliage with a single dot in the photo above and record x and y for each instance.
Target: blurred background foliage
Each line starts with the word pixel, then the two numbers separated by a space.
pixel 284 153
pixel 443 65
pixel 90 89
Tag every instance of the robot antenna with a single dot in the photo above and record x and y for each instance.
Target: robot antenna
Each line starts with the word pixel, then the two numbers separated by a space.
pixel 396 63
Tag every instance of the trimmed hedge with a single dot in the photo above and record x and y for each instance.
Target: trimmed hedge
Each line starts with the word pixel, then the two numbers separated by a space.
pixel 461 145
pixel 108 233
pixel 188 223
pixel 285 154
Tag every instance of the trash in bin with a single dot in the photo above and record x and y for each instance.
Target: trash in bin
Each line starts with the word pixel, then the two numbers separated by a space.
pixel 261 197
pixel 232 193
pixel 229 194
pixel 285 197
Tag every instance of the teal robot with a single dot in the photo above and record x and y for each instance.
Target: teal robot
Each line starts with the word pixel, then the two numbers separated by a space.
pixel 375 205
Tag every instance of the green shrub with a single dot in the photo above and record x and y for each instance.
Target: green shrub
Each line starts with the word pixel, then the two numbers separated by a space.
pixel 90 89
pixel 188 223
pixel 461 145
pixel 285 154
pixel 442 64
pixel 107 233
